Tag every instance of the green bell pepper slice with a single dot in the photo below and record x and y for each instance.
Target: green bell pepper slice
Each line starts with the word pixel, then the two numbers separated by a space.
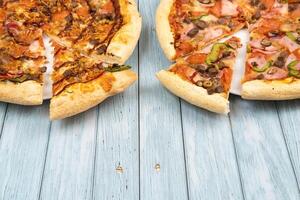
pixel 291 36
pixel 292 70
pixel 20 79
pixel 264 68
pixel 294 73
pixel 213 56
pixel 292 65
pixel 117 68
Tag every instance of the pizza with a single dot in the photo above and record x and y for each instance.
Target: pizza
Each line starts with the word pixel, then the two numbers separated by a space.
pixel 185 26
pixel 22 55
pixel 80 82
pixel 203 78
pixel 91 39
pixel 273 59
pixel 189 32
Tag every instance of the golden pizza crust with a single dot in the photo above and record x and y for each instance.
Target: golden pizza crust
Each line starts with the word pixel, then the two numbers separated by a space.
pixel 124 41
pixel 163 28
pixel 271 90
pixel 80 97
pixel 26 93
pixel 193 94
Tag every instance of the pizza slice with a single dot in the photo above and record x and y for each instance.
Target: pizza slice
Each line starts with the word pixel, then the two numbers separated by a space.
pixel 107 29
pixel 21 56
pixel 273 60
pixel 80 82
pixel 187 26
pixel 203 78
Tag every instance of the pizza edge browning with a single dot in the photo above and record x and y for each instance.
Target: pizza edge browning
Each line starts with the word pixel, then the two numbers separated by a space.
pixel 270 90
pixel 80 97
pixel 26 93
pixel 195 95
pixel 125 39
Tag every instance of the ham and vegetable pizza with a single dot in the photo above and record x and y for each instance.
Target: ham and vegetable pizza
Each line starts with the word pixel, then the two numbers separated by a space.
pixel 203 78
pixel 273 58
pixel 91 39
pixel 189 31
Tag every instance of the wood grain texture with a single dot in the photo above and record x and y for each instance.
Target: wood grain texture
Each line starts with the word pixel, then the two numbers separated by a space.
pixel 22 151
pixel 3 108
pixel 211 162
pixel 117 153
pixel 289 114
pixel 162 167
pixel 265 167
pixel 69 166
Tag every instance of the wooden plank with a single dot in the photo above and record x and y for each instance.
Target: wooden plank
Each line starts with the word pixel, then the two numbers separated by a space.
pixel 117 155
pixel 265 167
pixel 289 114
pixel 211 162
pixel 162 167
pixel 22 151
pixel 69 164
pixel 3 108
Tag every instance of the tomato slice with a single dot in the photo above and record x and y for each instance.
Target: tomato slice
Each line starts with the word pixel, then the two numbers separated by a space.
pixel 297 53
pixel 198 58
pixel 216 9
pixel 226 78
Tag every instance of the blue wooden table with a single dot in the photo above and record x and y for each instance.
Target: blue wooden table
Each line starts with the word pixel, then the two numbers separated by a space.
pixel 148 144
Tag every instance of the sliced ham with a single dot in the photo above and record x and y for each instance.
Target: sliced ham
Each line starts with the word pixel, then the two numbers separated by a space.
pixel 256 44
pixel 288 43
pixel 264 51
pixel 229 9
pixel 213 33
pixel 280 8
pixel 259 60
pixel 189 72
pixel 197 78
pixel 275 73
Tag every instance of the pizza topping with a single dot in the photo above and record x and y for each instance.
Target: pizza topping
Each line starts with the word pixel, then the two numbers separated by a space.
pixel 288 43
pixel 261 68
pixel 206 1
pixel 229 8
pixel 294 65
pixel 80 70
pixel 275 73
pixel 279 62
pixel 200 24
pixel 294 68
pixel 116 68
pixel 215 53
pixel 258 61
pixel 193 32
pixel 266 42
pixel 273 33
pixel 210 70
